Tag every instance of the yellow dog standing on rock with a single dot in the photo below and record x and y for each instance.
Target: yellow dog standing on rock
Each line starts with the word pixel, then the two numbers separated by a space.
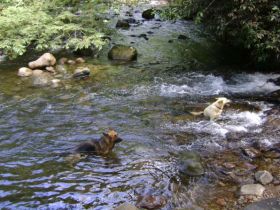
pixel 214 110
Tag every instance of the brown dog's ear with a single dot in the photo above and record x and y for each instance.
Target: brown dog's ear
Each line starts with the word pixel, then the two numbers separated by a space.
pixel 105 134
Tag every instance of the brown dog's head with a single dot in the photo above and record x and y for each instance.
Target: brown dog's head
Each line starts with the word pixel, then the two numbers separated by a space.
pixel 113 136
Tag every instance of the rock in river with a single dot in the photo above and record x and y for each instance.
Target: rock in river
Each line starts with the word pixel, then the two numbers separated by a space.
pixel 122 52
pixel 126 206
pixel 190 164
pixel 124 24
pixel 252 189
pixel 45 60
pixel 81 73
pixel 25 72
pixel 264 177
pixel 151 202
pixel 148 14
pixel 268 204
pixel 40 78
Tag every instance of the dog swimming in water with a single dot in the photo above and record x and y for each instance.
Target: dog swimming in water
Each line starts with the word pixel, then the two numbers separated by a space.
pixel 101 146
pixel 214 110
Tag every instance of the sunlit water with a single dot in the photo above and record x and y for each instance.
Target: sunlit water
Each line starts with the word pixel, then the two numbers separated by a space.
pixel 144 101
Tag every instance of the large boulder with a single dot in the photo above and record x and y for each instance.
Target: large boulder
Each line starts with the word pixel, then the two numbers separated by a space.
pixel 45 60
pixel 148 14
pixel 122 52
pixel 24 72
pixel 190 164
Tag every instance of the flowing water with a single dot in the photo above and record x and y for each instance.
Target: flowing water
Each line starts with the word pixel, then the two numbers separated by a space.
pixel 146 101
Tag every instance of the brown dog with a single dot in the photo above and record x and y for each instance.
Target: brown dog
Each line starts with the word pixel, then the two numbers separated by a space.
pixel 101 146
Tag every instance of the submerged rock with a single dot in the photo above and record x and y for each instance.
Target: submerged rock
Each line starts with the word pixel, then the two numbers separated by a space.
pixel 126 206
pixel 251 152
pixel 40 78
pixel 148 14
pixel 62 61
pixel 45 60
pixel 122 52
pixel 24 72
pixel 268 204
pixel 71 62
pixel 190 164
pixel 151 202
pixel 55 83
pixel 264 177
pixel 81 73
pixel 80 60
pixel 61 69
pixel 252 189
pixel 275 81
pixel 182 37
pixel 124 24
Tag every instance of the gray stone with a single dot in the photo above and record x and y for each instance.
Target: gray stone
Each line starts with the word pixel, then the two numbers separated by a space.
pixel 126 206
pixel 252 189
pixel 190 164
pixel 263 177
pixel 122 52
pixel 268 204
pixel 25 72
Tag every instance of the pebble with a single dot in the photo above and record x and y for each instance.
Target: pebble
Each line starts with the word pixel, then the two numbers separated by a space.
pixel 251 152
pixel 126 206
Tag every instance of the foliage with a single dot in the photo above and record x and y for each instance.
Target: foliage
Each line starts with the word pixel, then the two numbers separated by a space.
pixel 253 25
pixel 49 25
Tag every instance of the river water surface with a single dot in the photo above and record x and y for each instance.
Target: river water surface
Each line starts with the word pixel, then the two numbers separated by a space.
pixel 146 101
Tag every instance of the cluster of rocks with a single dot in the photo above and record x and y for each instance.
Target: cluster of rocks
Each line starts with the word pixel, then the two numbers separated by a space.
pixel 46 70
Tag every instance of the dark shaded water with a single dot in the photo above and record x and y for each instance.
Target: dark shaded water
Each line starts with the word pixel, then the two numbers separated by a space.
pixel 146 101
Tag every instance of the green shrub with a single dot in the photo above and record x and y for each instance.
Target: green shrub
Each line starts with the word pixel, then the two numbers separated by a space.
pixel 253 25
pixel 48 25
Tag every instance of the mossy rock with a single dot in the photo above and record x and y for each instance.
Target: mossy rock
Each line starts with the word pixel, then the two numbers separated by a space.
pixel 148 14
pixel 190 164
pixel 122 52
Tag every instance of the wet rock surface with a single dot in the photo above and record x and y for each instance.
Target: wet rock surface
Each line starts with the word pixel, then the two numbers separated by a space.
pixel 24 72
pixel 122 52
pixel 126 206
pixel 190 164
pixel 151 202
pixel 268 204
pixel 263 177
pixel 252 189
pixel 148 14
pixel 45 60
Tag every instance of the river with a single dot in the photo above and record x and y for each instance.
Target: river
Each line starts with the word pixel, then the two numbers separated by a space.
pixel 147 102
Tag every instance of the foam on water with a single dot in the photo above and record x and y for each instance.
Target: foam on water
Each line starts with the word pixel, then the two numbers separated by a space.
pixel 194 84
pixel 230 122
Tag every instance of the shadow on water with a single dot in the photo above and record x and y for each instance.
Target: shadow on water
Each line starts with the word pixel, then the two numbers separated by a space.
pixel 146 101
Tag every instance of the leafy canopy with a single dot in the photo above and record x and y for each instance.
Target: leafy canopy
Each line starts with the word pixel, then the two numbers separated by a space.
pixel 50 25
